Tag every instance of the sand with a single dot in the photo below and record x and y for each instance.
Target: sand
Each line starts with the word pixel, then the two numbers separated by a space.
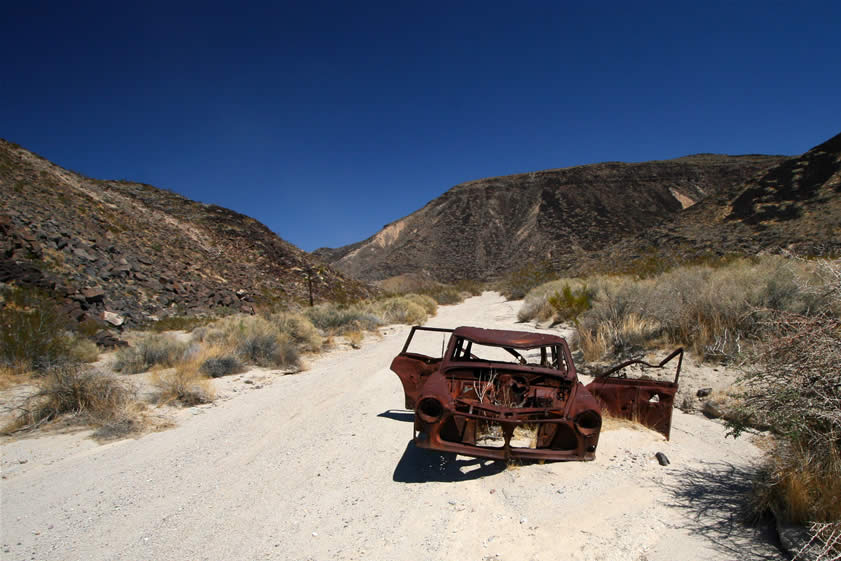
pixel 319 466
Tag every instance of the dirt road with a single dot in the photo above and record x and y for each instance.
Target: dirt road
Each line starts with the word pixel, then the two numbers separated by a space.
pixel 318 466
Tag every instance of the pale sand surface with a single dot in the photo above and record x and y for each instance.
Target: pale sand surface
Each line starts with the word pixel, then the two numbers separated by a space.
pixel 318 466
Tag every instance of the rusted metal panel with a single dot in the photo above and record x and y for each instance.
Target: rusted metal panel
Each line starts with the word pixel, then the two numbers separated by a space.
pixel 643 400
pixel 528 404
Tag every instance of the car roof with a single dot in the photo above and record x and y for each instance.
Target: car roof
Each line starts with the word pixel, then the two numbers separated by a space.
pixel 504 338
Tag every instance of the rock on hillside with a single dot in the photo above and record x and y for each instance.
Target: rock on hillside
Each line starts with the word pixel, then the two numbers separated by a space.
pixel 484 228
pixel 140 251
pixel 795 205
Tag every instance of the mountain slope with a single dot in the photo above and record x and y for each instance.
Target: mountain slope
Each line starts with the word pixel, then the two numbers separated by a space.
pixel 795 205
pixel 138 250
pixel 483 228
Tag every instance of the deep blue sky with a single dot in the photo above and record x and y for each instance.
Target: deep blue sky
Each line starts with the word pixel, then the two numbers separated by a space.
pixel 325 121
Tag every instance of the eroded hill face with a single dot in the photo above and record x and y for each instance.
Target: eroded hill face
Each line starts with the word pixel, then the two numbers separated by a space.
pixel 481 229
pixel 140 251
pixel 795 205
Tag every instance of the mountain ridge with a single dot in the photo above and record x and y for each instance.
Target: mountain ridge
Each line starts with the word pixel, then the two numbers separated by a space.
pixel 140 251
pixel 481 228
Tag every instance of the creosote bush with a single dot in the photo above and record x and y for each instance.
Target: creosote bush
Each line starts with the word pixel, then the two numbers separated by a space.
pixel 151 350
pixel 253 340
pixel 33 332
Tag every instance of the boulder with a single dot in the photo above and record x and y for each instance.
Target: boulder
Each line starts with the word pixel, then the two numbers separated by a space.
pixel 94 294
pixel 113 318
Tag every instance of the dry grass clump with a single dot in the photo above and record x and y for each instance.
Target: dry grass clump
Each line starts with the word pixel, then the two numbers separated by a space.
pixel 184 384
pixel 355 338
pixel 91 396
pixel 428 303
pixel 83 350
pixel 334 318
pixel 710 310
pixel 445 295
pixel 254 340
pixel 300 329
pixel 151 350
pixel 408 284
pixel 399 309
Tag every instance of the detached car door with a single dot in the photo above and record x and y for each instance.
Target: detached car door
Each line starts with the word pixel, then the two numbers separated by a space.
pixel 643 400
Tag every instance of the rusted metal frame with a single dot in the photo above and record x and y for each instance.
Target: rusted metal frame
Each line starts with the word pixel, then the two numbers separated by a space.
pixel 420 328
pixel 434 441
pixel 677 352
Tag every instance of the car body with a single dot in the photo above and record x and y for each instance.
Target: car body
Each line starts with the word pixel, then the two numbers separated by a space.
pixel 511 395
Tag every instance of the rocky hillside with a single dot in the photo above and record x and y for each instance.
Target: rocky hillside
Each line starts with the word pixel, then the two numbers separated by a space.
pixel 795 205
pixel 483 228
pixel 139 251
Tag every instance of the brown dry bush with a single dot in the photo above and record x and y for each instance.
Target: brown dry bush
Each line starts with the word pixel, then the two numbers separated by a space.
pixel 90 396
pixel 795 389
pixel 184 384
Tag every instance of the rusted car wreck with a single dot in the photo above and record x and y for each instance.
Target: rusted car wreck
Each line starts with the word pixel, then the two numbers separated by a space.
pixel 516 395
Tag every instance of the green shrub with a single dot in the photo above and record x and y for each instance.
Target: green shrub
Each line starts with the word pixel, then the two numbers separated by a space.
pixel 332 317
pixel 218 366
pixel 84 350
pixel 151 350
pixel 570 303
pixel 33 332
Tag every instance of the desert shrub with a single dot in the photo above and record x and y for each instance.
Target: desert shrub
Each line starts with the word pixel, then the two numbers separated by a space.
pixel 796 390
pixel 33 331
pixel 83 350
pixel 517 283
pixel 151 350
pixel 471 287
pixel 355 338
pixel 429 304
pixel 300 329
pixel 336 318
pixel 444 295
pixel 218 366
pixel 399 309
pixel 183 384
pixel 713 311
pixel 255 340
pixel 406 283
pixel 570 303
pixel 93 397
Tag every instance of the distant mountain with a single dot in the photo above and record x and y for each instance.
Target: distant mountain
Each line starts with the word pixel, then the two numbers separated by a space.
pixel 140 251
pixel 795 205
pixel 481 229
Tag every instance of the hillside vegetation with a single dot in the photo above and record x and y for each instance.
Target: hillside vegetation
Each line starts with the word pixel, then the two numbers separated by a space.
pixel 778 317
